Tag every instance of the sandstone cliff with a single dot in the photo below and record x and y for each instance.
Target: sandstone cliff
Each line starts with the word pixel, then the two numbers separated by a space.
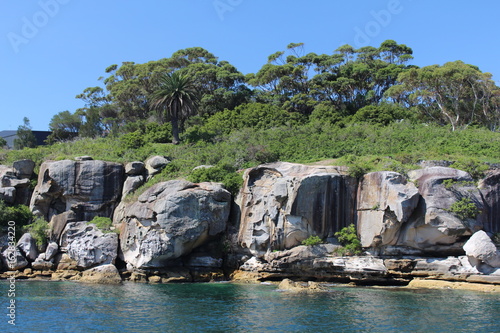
pixel 180 231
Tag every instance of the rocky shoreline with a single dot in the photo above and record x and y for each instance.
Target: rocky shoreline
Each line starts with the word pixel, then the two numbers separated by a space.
pixel 177 231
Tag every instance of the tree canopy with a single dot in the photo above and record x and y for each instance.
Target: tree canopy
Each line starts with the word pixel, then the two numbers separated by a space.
pixel 374 84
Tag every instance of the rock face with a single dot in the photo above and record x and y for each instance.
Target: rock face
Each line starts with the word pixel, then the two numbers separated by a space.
pixel 79 189
pixel 283 203
pixel 385 201
pixel 89 246
pixel 490 189
pixel 169 220
pixel 481 247
pixel 15 180
pixel 433 228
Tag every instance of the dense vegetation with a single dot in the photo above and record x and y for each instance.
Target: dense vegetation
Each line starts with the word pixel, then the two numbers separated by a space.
pixel 367 108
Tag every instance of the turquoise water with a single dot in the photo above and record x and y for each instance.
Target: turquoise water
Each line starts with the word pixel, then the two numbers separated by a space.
pixel 224 307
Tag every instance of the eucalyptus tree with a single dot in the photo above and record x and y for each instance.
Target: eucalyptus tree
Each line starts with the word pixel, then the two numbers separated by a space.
pixel 456 93
pixel 175 99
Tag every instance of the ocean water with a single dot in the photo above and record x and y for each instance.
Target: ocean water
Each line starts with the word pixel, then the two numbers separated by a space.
pixel 226 307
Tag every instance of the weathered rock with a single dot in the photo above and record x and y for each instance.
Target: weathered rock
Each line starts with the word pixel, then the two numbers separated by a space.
pixel 51 250
pixel 352 267
pixel 134 168
pixel 8 194
pixel 283 203
pixel 204 261
pixel 155 164
pixel 84 188
pixel 13 259
pixel 131 184
pixel 64 262
pixel 89 246
pixel 385 201
pixel 310 286
pixel 169 220
pixel 105 274
pixel 154 279
pixel 490 189
pixel 27 245
pixel 481 247
pixel 433 228
pixel 24 168
pixel 441 267
pixel 42 265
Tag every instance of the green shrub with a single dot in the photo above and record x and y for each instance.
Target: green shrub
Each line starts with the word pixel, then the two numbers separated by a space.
pixel 474 167
pixel 464 209
pixel 450 183
pixel 231 180
pixel 39 231
pixel 133 140
pixel 312 240
pixel 384 114
pixel 105 224
pixel 357 166
pixel 348 238
pixel 158 133
pixel 20 214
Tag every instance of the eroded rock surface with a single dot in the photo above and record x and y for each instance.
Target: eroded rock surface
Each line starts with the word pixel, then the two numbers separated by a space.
pixel 79 189
pixel 282 204
pixel 433 227
pixel 490 189
pixel 169 220
pixel 386 200
pixel 88 245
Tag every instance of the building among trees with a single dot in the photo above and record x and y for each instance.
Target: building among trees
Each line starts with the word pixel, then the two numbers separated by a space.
pixel 10 136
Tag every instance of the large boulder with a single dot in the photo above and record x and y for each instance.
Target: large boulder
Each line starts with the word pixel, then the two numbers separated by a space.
pixel 490 189
pixel 23 168
pixel 79 189
pixel 481 247
pixel 134 168
pixel 169 220
pixel 88 245
pixel 282 204
pixel 13 259
pixel 385 201
pixel 132 183
pixel 155 164
pixel 433 228
pixel 27 245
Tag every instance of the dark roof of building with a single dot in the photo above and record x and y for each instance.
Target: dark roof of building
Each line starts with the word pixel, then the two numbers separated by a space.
pixel 10 136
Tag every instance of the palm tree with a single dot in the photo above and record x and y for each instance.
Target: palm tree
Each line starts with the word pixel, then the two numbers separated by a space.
pixel 175 99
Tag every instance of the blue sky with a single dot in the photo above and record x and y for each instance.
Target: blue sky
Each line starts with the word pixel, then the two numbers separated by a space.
pixel 51 50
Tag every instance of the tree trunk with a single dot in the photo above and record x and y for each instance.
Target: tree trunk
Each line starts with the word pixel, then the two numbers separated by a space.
pixel 175 130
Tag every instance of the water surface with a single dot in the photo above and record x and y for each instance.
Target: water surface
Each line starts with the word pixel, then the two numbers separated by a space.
pixel 226 307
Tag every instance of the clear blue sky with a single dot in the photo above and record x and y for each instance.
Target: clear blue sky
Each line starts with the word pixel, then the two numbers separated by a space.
pixel 51 50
